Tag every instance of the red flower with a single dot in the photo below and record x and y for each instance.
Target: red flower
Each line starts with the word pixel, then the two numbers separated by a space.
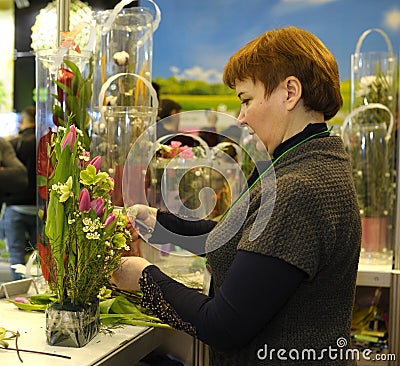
pixel 65 77
pixel 44 167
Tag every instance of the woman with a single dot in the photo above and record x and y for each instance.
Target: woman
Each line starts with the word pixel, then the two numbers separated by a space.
pixel 284 295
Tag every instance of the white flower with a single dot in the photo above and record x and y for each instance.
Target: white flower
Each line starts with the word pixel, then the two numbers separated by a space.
pixel 121 58
pixel 66 190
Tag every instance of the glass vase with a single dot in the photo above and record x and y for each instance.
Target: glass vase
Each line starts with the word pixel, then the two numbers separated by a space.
pixel 113 133
pixel 368 148
pixel 69 326
pixel 54 106
pixel 117 129
pixel 180 173
pixel 125 45
pixel 370 124
pixel 227 177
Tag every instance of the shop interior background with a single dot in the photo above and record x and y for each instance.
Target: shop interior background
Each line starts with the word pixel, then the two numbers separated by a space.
pixel 196 38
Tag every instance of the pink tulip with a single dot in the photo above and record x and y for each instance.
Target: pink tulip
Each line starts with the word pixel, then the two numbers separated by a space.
pixel 98 206
pixel 96 162
pixel 109 219
pixel 84 201
pixel 70 138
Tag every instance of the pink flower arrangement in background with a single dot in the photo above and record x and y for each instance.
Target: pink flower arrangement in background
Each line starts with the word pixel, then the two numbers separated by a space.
pixel 174 149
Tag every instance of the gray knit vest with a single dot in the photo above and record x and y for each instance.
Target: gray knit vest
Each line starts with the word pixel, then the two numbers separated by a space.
pixel 314 224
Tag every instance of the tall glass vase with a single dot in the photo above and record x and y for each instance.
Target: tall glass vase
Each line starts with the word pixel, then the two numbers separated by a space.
pixel 373 105
pixel 64 92
pixel 368 145
pixel 115 129
pixel 125 45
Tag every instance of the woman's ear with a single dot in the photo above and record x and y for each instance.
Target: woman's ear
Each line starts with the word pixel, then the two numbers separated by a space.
pixel 294 91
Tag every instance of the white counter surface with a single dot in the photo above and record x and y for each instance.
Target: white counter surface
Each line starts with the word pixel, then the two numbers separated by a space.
pixel 126 345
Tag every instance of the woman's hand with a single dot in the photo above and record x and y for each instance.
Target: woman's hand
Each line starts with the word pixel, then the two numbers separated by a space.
pixel 127 276
pixel 144 213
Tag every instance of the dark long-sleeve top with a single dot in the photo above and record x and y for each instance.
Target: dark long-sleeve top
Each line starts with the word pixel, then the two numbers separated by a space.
pixel 25 148
pixel 252 286
pixel 13 174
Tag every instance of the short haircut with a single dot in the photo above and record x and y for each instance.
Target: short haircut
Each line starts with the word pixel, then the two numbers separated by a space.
pixel 167 106
pixel 30 113
pixel 290 51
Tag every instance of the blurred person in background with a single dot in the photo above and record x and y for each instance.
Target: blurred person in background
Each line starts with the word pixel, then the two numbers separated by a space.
pixel 209 133
pixel 20 215
pixel 169 117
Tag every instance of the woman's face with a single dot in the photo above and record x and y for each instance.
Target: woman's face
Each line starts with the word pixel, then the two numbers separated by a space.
pixel 263 115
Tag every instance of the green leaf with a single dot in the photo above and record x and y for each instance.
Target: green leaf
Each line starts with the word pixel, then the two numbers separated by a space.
pixel 130 319
pixel 73 105
pixel 41 180
pixel 84 95
pixel 75 69
pixel 122 305
pixel 75 86
pixel 29 307
pixel 90 177
pixel 43 299
pixel 63 87
pixel 91 68
pixel 105 305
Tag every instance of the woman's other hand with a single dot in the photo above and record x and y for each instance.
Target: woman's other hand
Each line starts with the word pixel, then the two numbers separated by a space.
pixel 128 275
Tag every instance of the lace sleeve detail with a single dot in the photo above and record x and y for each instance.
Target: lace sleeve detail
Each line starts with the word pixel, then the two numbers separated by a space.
pixel 153 299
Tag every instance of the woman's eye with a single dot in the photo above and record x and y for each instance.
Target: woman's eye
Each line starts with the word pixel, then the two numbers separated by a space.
pixel 244 101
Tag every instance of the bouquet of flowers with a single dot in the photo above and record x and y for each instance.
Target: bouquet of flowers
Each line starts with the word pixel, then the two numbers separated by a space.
pixel 175 149
pixel 375 89
pixel 86 234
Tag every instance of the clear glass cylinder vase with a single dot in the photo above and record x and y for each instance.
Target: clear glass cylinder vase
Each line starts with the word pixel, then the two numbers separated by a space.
pixel 114 131
pixel 373 107
pixel 124 46
pixel 63 93
pixel 54 104
pixel 368 148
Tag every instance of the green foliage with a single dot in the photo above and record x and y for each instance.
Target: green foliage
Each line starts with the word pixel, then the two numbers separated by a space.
pixel 120 309
pixel 199 95
pixel 191 87
pixel 202 102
